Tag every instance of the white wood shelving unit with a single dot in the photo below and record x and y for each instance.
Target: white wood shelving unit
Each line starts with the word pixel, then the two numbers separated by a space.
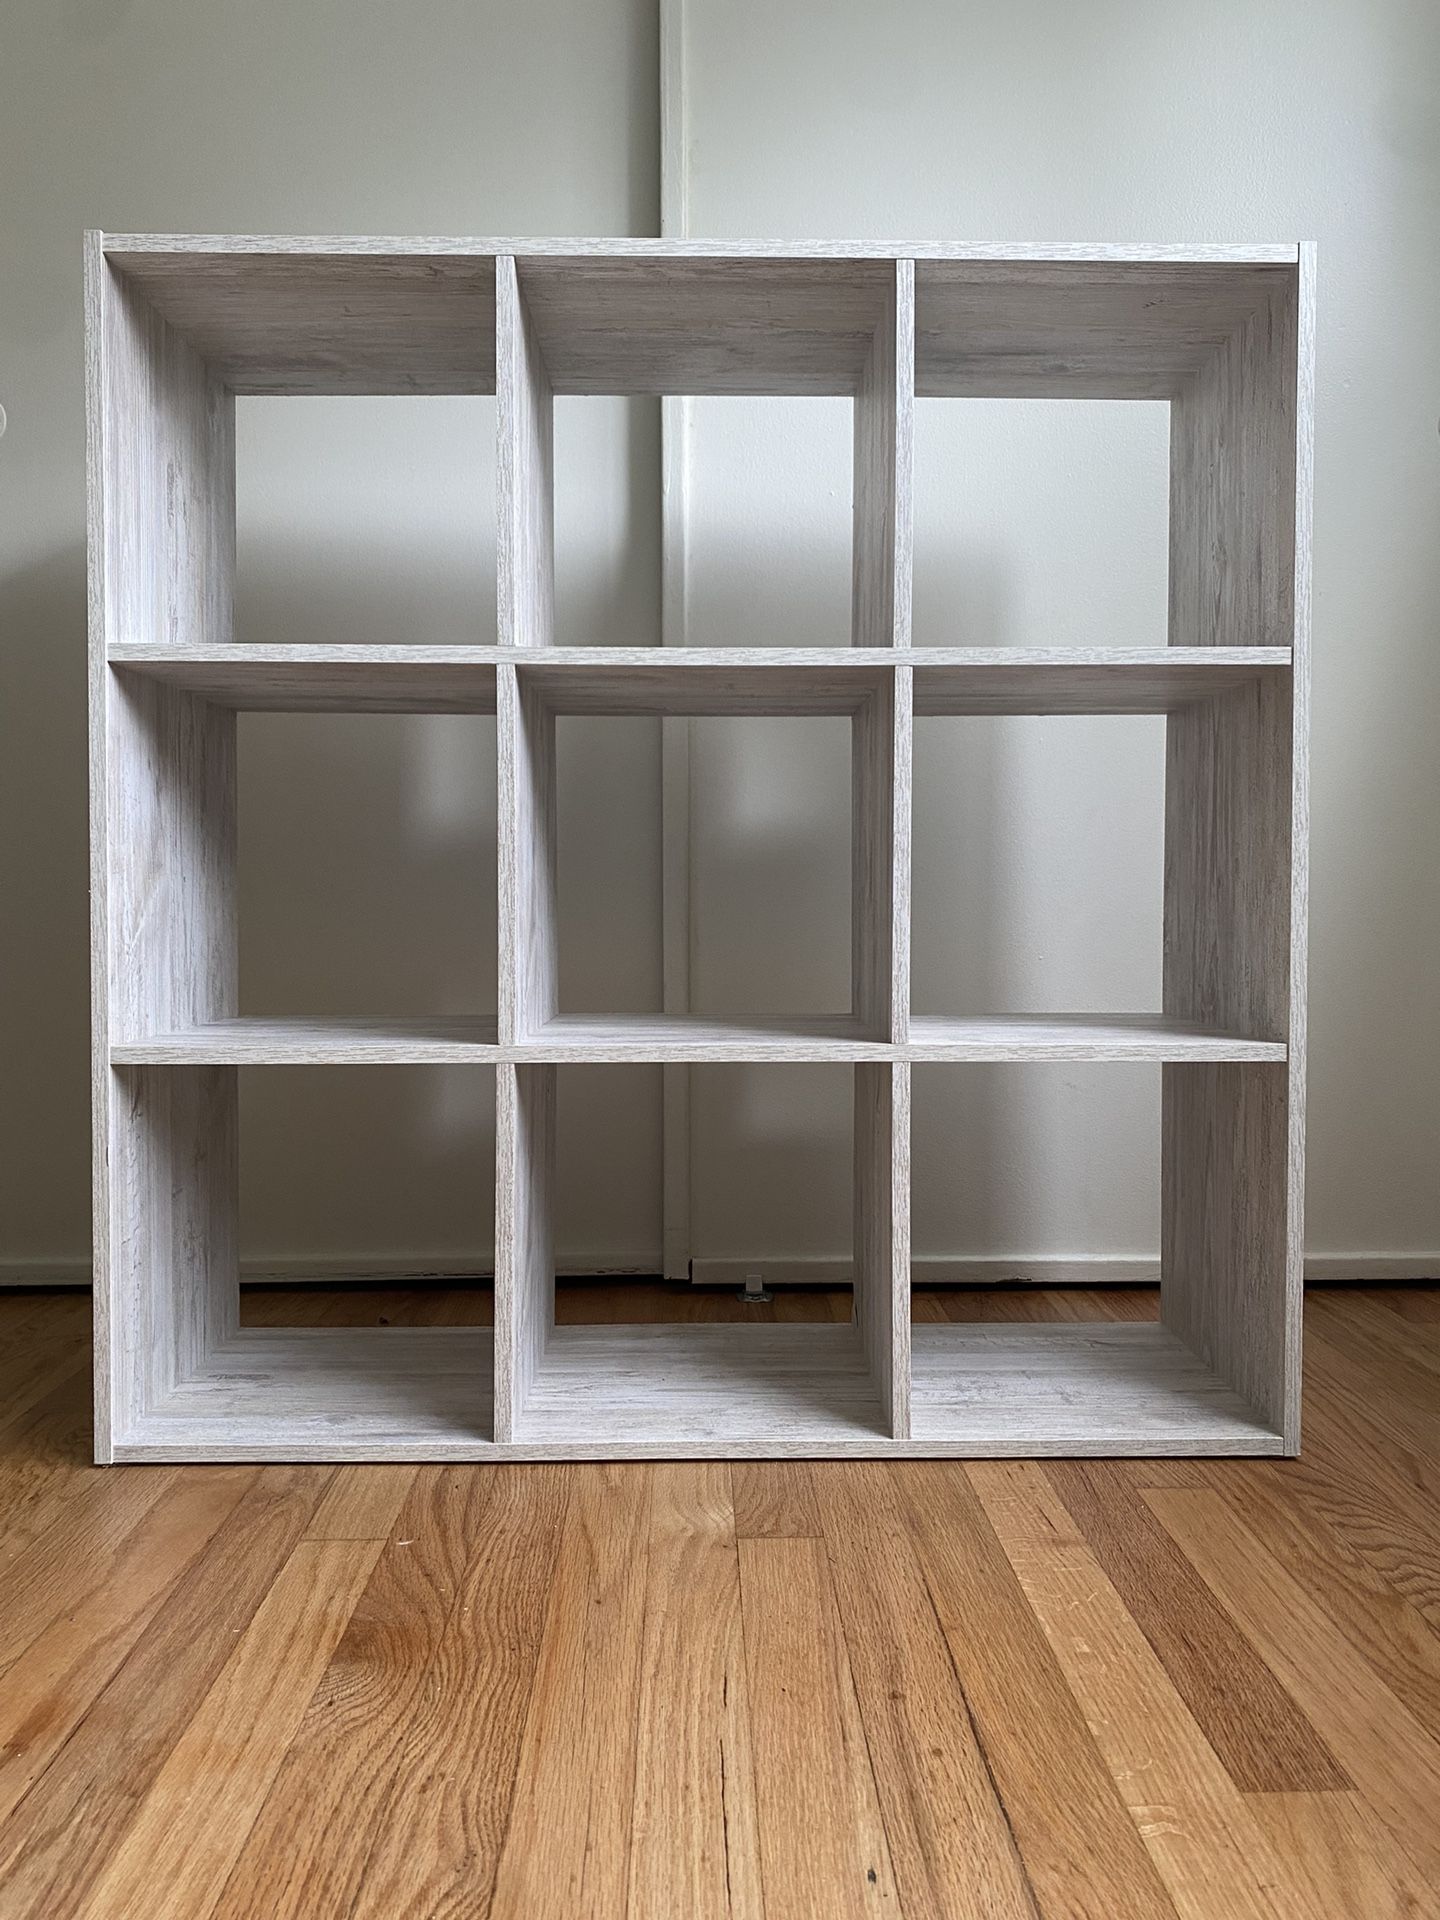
pixel 177 326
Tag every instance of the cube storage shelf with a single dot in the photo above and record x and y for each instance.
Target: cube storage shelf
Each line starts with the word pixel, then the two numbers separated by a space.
pixel 177 326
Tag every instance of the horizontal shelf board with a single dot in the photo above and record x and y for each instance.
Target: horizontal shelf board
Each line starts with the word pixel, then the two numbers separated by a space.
pixel 835 683
pixel 350 314
pixel 662 1384
pixel 1073 1388
pixel 647 1392
pixel 695 1037
pixel 318 1040
pixel 1075 330
pixel 948 680
pixel 1093 680
pixel 336 1393
pixel 383 1040
pixel 609 324
pixel 359 322
pixel 1078 1036
pixel 358 679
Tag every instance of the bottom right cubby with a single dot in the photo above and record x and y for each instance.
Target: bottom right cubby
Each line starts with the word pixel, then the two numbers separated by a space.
pixel 1103 1260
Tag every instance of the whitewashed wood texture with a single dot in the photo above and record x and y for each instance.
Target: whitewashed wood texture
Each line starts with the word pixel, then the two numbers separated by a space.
pixel 162 774
pixel 461 1039
pixel 176 325
pixel 948 680
pixel 1235 891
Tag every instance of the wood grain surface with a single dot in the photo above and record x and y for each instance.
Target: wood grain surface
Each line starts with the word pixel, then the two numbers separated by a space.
pixel 1018 1690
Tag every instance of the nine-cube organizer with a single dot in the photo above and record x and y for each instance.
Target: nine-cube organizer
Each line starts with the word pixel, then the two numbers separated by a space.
pixel 177 326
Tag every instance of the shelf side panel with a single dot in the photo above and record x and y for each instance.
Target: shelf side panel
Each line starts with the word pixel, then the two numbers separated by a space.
pixel 883 459
pixel 882 1233
pixel 524 1236
pixel 161 535
pixel 162 476
pixel 1233 1135
pixel 524 416
pixel 1224 1267
pixel 170 1273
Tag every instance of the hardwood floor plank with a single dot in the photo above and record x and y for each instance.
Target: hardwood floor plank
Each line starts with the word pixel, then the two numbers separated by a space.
pixel 565 1850
pixel 1080 1848
pixel 693 1842
pixel 1420 1305
pixel 37 1355
pixel 1399 1355
pixel 58 1839
pixel 1264 1740
pixel 49 1690
pixel 362 1503
pixel 336 1798
pixel 178 1851
pixel 1393 1762
pixel 951 1849
pixel 1382 1498
pixel 1193 1819
pixel 73 1556
pixel 1393 1636
pixel 1341 1859
pixel 822 1841
pixel 1405 1408
pixel 44 1461
pixel 774 1499
pixel 444 1828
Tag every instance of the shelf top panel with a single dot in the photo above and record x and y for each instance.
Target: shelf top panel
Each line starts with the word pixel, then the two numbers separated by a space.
pixel 424 246
pixel 294 313
pixel 948 680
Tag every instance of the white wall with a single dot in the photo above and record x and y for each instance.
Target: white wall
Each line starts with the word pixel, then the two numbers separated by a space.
pixel 367 844
pixel 1038 852
pixel 368 858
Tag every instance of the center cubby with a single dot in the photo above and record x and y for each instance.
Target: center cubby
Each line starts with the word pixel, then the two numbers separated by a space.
pixel 1212 996
pixel 534 702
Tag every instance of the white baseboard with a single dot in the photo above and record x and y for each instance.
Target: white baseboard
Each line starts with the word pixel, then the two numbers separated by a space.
pixel 939 1270
pixel 1378 1268
pixel 367 1269
pixel 1075 1270
pixel 1048 1270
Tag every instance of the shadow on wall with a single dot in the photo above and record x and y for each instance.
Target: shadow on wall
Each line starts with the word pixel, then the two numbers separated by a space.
pixel 44 931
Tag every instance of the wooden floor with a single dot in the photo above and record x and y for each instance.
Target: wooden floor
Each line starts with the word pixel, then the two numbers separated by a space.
pixel 682 1691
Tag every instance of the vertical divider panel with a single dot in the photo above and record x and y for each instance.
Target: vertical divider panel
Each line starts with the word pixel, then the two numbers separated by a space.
pixel 526 616
pixel 528 961
pixel 525 431
pixel 524 1236
pixel 161 538
pixel 528 958
pixel 882 1232
pixel 1232 1140
pixel 881 796
pixel 884 441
